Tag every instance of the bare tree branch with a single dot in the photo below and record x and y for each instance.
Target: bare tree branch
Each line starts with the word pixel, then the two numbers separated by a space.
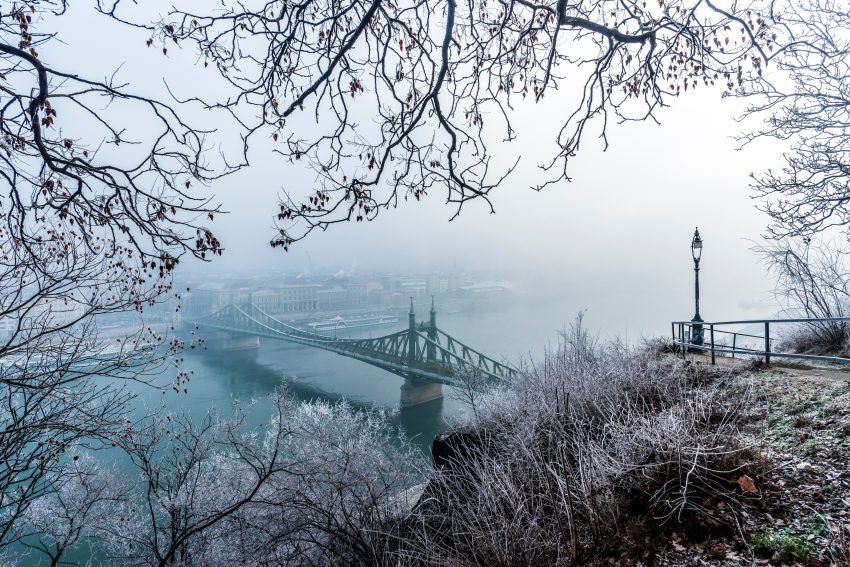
pixel 387 101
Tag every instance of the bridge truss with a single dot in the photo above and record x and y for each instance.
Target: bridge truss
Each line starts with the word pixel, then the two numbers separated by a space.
pixel 421 352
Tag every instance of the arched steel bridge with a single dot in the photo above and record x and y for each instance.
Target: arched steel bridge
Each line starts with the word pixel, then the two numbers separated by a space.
pixel 421 353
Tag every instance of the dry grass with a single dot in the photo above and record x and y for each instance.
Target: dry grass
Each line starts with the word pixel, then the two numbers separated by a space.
pixel 594 450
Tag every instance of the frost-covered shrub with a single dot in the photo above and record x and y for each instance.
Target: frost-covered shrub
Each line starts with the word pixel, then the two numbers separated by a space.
pixel 318 486
pixel 72 514
pixel 596 435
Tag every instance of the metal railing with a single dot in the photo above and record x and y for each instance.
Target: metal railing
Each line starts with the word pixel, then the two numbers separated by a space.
pixel 683 337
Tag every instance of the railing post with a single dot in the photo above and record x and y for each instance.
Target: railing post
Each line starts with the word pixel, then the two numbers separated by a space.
pixel 734 341
pixel 766 342
pixel 711 327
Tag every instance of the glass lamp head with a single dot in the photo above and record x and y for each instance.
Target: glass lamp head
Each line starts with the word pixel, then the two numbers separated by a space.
pixel 696 245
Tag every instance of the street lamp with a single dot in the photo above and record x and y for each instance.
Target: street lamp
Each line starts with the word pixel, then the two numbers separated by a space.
pixel 696 322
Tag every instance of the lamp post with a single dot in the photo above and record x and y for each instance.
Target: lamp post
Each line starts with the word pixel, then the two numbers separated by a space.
pixel 696 322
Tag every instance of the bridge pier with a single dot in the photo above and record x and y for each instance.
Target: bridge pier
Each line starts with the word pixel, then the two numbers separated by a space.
pixel 415 392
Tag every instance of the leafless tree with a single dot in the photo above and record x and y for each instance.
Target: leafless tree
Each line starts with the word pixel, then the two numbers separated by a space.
pixel 79 509
pixel 813 282
pixel 808 103
pixel 95 216
pixel 388 101
pixel 320 486
pixel 194 475
pixel 470 385
pixel 99 181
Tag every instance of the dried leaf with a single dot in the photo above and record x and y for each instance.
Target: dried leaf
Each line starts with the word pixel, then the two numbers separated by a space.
pixel 747 484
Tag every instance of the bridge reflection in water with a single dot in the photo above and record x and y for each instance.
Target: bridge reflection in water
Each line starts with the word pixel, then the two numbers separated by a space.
pixel 423 355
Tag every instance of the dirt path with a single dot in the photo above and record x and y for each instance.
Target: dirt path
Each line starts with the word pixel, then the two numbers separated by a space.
pixel 813 373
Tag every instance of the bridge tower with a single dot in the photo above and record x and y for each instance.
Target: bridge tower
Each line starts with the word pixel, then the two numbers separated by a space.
pixel 240 341
pixel 432 332
pixel 413 391
pixel 411 337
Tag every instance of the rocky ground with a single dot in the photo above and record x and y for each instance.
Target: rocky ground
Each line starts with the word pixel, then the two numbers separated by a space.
pixel 797 420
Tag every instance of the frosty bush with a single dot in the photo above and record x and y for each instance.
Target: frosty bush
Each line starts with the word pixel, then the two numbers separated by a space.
pixel 317 486
pixel 589 440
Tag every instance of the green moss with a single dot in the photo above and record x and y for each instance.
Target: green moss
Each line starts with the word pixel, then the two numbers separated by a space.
pixel 780 432
pixel 840 391
pixel 810 447
pixel 816 527
pixel 777 422
pixel 784 544
pixel 802 405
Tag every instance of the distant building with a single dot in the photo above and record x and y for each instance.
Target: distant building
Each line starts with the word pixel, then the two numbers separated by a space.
pixel 305 295
pixel 298 298
pixel 437 284
pixel 383 298
pixel 389 282
pixel 487 288
pixel 210 297
pixel 356 294
pixel 413 287
pixel 267 299
pixel 372 287
pixel 339 297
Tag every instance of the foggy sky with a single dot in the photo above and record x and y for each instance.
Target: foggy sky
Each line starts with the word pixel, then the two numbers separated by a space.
pixel 615 240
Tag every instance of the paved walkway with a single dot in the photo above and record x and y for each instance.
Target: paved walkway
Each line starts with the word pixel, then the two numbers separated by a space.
pixel 829 372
